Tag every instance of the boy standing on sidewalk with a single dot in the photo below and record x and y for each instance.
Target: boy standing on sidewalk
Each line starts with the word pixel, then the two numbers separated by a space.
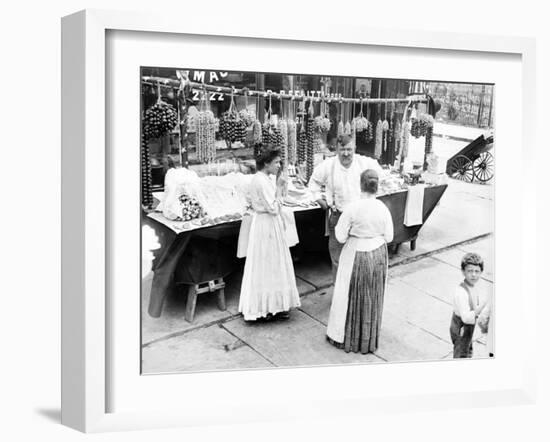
pixel 466 306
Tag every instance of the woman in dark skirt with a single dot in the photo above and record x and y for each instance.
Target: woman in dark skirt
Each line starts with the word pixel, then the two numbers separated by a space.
pixel 365 227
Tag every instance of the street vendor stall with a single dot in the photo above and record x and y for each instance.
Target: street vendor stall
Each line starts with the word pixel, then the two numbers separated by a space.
pixel 204 253
pixel 204 198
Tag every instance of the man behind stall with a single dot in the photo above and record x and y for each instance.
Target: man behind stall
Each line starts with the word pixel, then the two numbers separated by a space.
pixel 340 176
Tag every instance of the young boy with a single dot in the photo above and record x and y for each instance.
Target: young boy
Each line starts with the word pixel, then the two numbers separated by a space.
pixel 467 306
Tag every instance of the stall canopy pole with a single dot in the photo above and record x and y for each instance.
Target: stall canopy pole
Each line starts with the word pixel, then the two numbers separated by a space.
pixel 167 82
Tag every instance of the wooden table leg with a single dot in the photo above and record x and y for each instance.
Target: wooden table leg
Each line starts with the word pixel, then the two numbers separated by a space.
pixel 221 299
pixel 191 303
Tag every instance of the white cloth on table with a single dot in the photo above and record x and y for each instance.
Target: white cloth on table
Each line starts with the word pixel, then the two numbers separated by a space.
pixel 364 226
pixel 414 206
pixel 269 283
pixel 176 181
pixel 343 185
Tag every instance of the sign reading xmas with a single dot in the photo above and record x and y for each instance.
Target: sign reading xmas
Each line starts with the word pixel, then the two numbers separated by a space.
pixel 206 76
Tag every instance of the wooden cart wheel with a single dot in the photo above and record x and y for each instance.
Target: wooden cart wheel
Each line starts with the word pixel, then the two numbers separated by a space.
pixel 461 169
pixel 484 168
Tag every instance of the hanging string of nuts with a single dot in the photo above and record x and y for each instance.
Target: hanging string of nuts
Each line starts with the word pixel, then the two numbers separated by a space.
pixel 302 143
pixel 257 126
pixel 340 129
pixel 385 128
pixel 429 139
pixel 397 135
pixel 247 115
pixel 405 140
pixel 283 146
pixel 378 141
pixel 390 129
pixel 322 121
pixel 146 178
pixel 310 145
pixel 160 118
pixel 232 126
pixel 361 123
pixel 420 125
pixel 292 141
pixel 205 126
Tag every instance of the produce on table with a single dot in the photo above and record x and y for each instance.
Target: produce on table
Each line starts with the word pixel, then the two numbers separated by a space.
pixel 190 208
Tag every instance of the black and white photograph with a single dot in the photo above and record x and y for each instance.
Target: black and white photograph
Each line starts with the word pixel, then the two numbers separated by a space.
pixel 299 220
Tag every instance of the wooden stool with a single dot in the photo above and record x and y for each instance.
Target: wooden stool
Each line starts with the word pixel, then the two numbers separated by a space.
pixel 215 285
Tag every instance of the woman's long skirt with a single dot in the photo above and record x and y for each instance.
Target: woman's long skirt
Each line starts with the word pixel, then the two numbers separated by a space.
pixel 365 301
pixel 269 283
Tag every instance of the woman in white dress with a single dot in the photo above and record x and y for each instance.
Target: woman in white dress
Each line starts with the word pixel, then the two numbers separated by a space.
pixel 268 288
pixel 365 227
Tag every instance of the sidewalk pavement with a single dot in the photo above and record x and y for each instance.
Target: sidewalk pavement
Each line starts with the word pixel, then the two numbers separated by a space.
pixel 417 306
pixel 457 131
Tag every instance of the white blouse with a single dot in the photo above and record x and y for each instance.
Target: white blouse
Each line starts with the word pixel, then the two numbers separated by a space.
pixel 262 194
pixel 367 219
pixel 343 185
pixel 461 304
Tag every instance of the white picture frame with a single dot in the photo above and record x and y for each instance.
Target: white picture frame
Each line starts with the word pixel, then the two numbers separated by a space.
pixel 85 202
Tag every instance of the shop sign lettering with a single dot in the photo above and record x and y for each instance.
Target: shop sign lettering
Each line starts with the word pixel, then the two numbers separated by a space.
pixel 206 76
pixel 212 96
pixel 311 94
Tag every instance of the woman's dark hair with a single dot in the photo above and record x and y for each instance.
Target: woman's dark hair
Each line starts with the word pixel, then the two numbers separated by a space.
pixel 472 259
pixel 369 181
pixel 266 154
